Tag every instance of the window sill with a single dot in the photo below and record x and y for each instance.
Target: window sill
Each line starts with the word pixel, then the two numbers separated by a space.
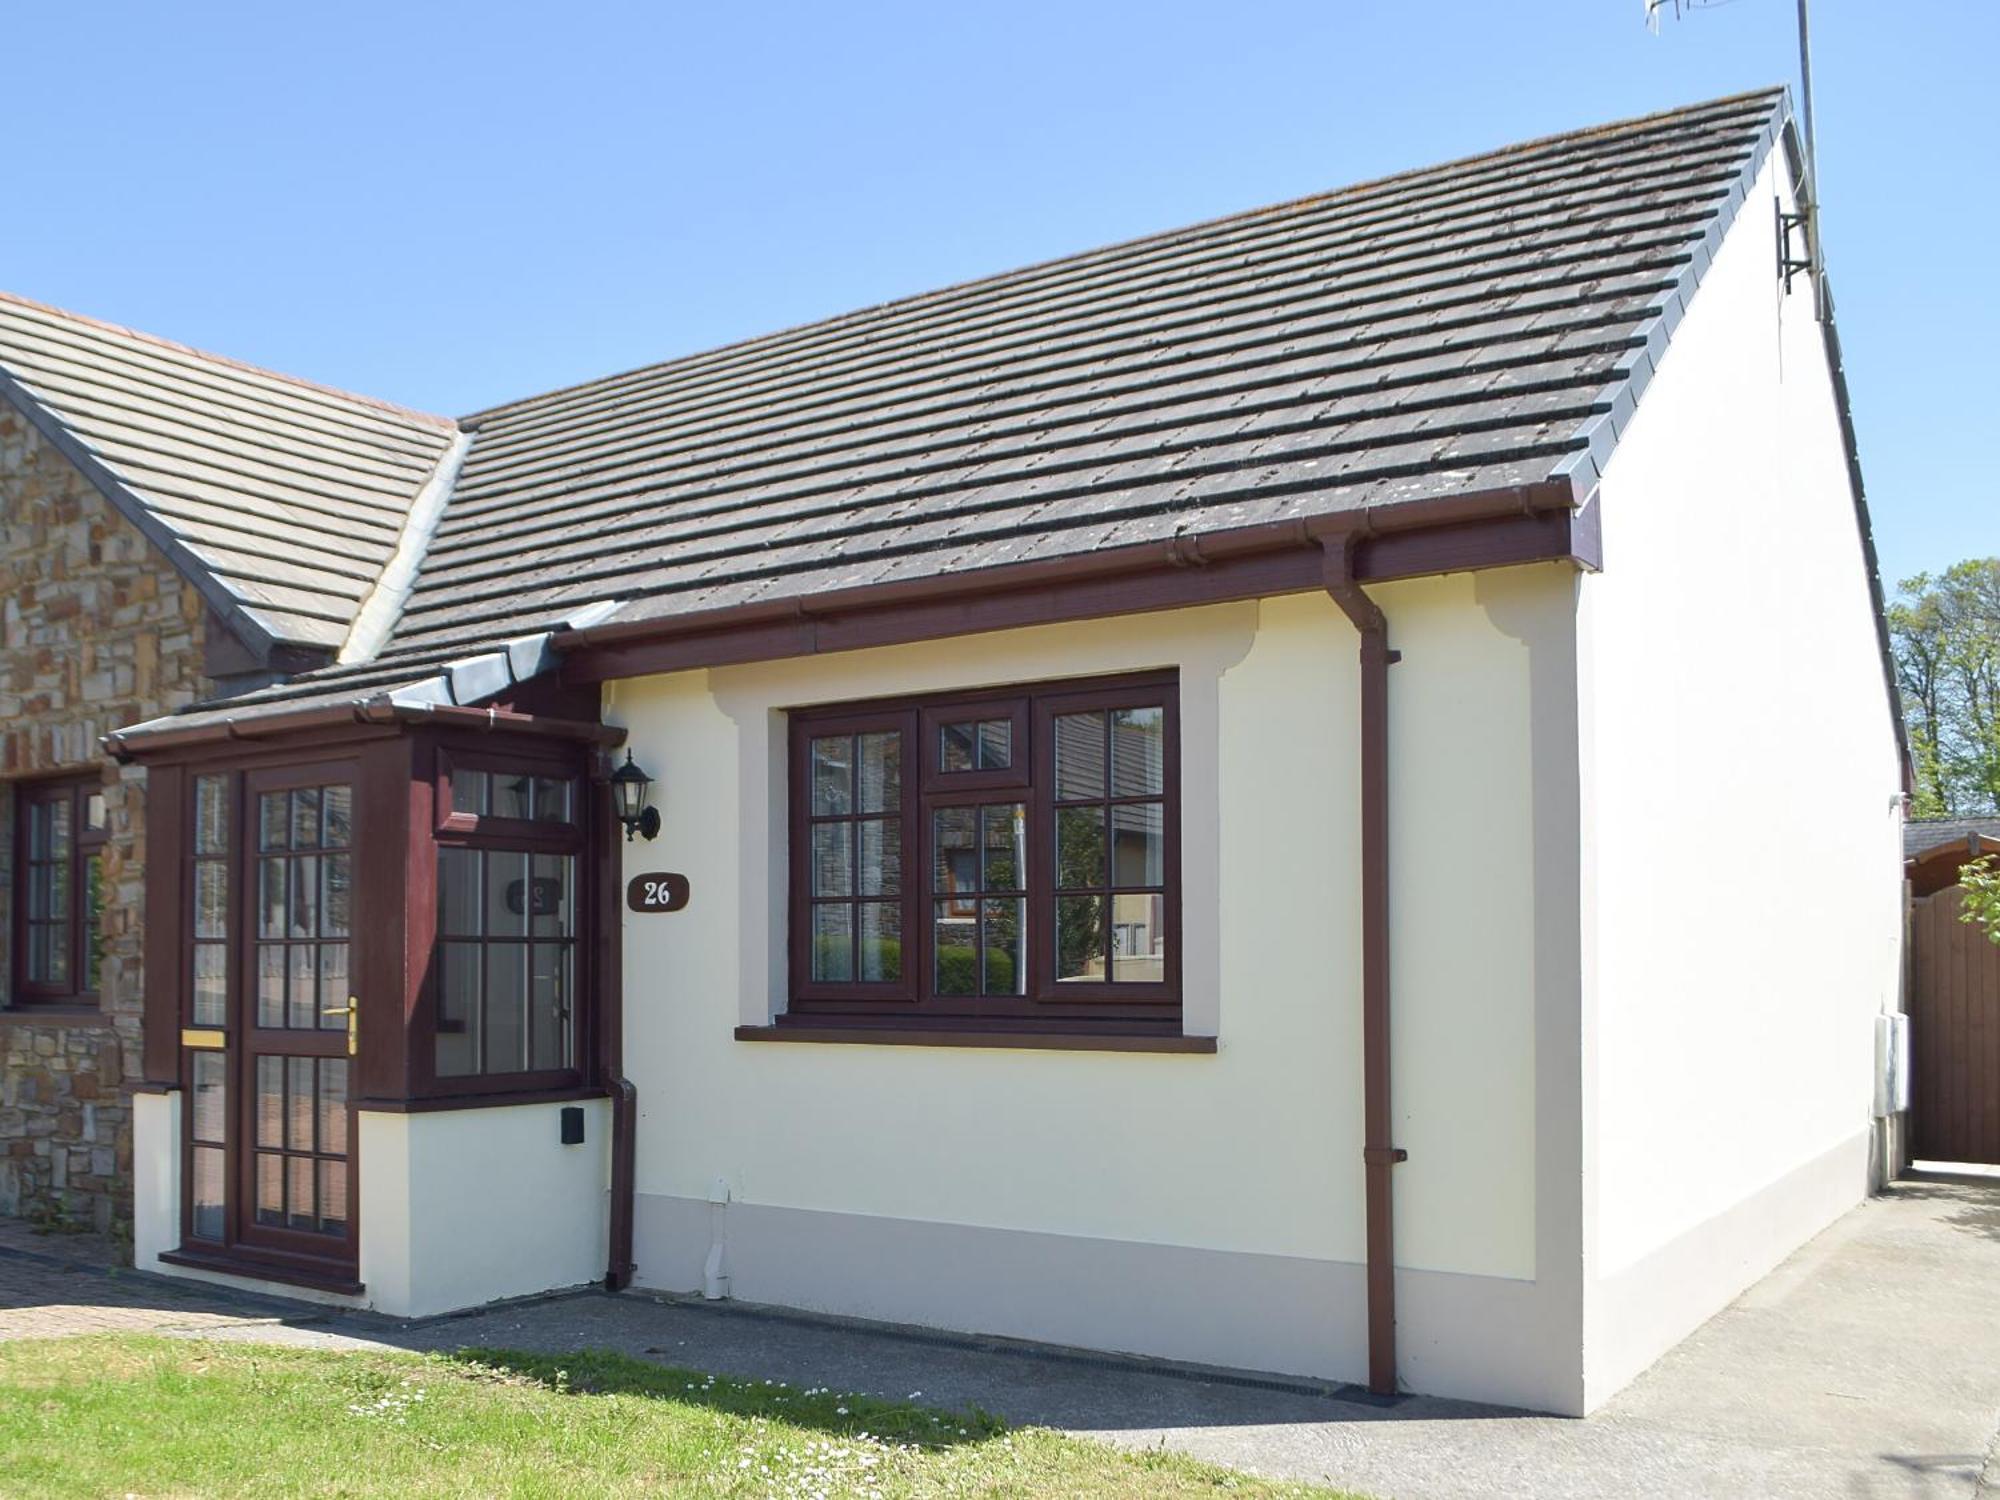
pixel 54 1013
pixel 1064 1040
pixel 197 1259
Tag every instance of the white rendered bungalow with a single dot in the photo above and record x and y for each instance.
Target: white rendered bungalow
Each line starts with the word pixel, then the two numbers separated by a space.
pixel 1195 810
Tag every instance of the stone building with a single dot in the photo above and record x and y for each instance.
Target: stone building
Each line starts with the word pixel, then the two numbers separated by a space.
pixel 173 526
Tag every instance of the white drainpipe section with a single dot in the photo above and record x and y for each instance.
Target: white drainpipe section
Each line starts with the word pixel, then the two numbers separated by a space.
pixel 714 1274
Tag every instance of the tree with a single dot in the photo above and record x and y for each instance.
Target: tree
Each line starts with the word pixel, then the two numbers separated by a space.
pixel 1981 880
pixel 1946 634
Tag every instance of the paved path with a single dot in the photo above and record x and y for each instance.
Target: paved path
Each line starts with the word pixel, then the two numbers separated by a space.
pixel 54 1285
pixel 1868 1365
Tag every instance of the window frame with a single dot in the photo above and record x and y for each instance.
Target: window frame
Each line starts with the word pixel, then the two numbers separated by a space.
pixel 75 790
pixel 1139 1006
pixel 848 995
pixel 577 838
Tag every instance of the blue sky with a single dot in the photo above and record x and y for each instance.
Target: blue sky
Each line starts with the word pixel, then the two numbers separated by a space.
pixel 450 205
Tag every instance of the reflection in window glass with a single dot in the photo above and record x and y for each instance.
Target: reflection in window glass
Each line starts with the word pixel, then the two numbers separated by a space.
pixel 210 901
pixel 505 962
pixel 206 1112
pixel 520 795
pixel 833 777
pixel 304 906
pixel 976 745
pixel 1138 752
pixel 1110 837
pixel 855 863
pixel 210 996
pixel 1080 756
pixel 48 874
pixel 468 791
pixel 211 815
pixel 299 1140
pixel 978 917
pixel 513 796
pixel 459 1044
pixel 206 1192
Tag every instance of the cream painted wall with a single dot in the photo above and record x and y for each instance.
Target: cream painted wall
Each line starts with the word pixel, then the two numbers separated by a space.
pixel 1743 918
pixel 1255 1149
pixel 460 1207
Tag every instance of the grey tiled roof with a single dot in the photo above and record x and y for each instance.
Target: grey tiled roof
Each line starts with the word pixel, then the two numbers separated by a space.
pixel 1921 835
pixel 1486 325
pixel 1451 330
pixel 283 500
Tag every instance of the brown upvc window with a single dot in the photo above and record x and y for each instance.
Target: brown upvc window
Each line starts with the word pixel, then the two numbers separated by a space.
pixel 507 971
pixel 1002 859
pixel 59 833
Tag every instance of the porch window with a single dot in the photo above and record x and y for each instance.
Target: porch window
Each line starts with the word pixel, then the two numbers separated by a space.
pixel 376 920
pixel 506 963
pixel 59 834
pixel 989 858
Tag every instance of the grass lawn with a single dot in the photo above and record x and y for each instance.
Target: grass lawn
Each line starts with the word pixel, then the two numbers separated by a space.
pixel 125 1415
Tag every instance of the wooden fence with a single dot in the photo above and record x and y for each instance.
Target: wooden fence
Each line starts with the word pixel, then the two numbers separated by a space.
pixel 1954 1032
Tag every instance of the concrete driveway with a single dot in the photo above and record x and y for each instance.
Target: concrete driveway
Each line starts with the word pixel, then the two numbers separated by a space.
pixel 1868 1365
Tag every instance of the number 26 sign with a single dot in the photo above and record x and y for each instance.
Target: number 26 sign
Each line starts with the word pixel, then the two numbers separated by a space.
pixel 656 892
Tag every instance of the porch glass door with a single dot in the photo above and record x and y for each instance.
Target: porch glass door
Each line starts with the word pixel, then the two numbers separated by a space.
pixel 295 1164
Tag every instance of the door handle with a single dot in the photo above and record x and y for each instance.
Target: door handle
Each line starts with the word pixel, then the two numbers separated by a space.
pixel 351 1010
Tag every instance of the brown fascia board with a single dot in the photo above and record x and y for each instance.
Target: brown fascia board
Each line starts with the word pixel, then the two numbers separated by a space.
pixel 1542 522
pixel 258 642
pixel 378 711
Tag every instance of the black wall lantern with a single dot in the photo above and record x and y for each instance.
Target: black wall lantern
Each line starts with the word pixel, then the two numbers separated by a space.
pixel 631 787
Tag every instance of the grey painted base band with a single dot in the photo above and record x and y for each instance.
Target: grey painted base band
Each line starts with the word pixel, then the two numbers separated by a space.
pixel 1639 1312
pixel 1475 1337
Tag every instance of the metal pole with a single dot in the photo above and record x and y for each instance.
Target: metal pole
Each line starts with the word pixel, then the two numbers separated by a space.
pixel 1809 190
pixel 1805 97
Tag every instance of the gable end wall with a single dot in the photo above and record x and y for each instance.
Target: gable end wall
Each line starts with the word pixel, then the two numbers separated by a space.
pixel 97 630
pixel 1740 820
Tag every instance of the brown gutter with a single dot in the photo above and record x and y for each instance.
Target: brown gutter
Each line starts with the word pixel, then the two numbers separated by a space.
pixel 1193 550
pixel 1485 528
pixel 1378 1155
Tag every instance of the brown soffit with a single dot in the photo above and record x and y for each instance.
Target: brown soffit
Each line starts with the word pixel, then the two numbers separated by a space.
pixel 1497 528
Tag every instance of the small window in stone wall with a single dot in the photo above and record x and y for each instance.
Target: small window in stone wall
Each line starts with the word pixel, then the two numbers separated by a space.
pixel 58 860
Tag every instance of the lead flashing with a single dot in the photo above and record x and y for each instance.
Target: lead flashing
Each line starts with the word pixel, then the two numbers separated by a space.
pixel 382 606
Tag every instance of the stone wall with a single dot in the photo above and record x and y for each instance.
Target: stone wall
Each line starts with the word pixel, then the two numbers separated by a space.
pixel 97 630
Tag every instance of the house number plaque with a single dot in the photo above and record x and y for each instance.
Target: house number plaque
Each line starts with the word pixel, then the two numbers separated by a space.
pixel 657 892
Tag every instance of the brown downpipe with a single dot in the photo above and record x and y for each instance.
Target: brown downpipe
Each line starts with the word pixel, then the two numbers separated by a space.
pixel 619 1265
pixel 1377 1154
